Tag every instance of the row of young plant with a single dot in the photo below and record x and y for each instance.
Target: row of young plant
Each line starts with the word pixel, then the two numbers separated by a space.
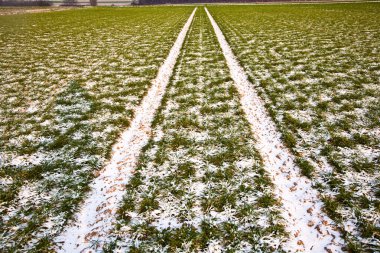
pixel 200 185
pixel 317 68
pixel 69 84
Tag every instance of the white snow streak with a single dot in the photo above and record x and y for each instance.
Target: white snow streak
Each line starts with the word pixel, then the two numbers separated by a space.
pixel 309 228
pixel 97 215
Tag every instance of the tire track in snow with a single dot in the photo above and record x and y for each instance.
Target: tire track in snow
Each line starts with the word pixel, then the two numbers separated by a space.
pixel 310 229
pixel 97 215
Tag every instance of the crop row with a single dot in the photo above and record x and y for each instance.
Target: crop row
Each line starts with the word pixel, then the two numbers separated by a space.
pixel 200 184
pixel 317 69
pixel 70 81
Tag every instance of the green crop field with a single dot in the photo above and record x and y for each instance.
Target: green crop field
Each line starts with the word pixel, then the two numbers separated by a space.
pixel 73 95
pixel 318 69
pixel 70 81
pixel 220 187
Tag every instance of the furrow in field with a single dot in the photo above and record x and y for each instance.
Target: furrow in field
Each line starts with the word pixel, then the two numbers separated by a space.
pixel 97 215
pixel 200 185
pixel 310 229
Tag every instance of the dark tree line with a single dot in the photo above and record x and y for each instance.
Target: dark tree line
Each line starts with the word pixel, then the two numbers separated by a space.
pixel 149 2
pixel 42 3
pixel 25 3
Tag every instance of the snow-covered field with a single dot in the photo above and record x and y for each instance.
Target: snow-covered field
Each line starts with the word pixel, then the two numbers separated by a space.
pixel 200 183
pixel 69 84
pixel 317 67
pixel 267 137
